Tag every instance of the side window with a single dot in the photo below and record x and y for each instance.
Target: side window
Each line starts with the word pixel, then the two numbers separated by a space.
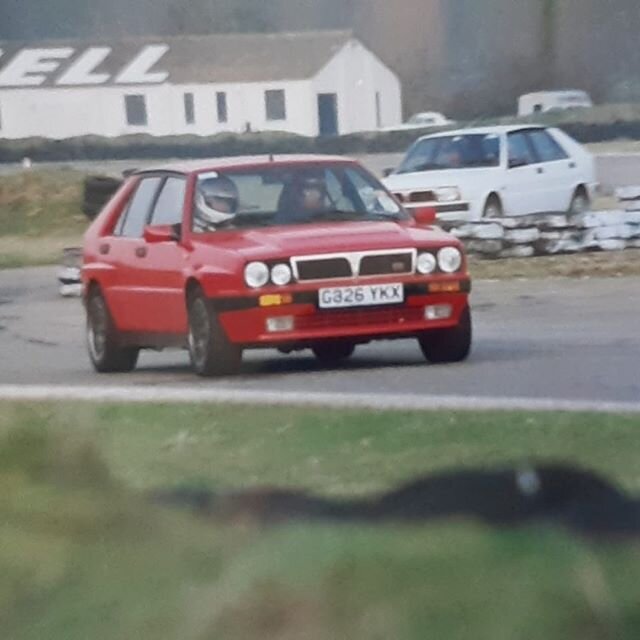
pixel 547 149
pixel 135 217
pixel 520 153
pixel 170 204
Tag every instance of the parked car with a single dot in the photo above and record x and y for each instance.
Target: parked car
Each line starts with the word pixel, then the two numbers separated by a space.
pixel 545 101
pixel 423 120
pixel 290 252
pixel 490 172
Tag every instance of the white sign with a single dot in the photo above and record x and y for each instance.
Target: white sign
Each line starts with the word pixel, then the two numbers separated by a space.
pixel 33 67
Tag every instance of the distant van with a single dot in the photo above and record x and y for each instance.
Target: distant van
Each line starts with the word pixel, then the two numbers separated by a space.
pixel 544 101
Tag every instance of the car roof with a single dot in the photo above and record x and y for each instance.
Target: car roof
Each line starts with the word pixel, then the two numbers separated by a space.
pixel 498 129
pixel 235 162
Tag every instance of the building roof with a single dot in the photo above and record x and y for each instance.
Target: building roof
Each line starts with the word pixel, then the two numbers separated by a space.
pixel 218 58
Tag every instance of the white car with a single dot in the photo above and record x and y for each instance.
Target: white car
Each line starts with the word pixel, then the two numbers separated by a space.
pixel 470 174
pixel 545 101
pixel 422 120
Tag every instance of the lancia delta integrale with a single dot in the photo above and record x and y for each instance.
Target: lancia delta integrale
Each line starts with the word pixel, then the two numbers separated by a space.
pixel 279 252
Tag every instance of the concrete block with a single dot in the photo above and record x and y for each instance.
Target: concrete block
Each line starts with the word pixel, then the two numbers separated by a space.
pixel 610 232
pixel 518 251
pixel 632 217
pixel 628 193
pixel 485 247
pixel 611 245
pixel 522 236
pixel 592 219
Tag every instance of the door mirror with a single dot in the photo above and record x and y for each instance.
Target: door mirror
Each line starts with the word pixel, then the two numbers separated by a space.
pixel 387 172
pixel 424 215
pixel 162 233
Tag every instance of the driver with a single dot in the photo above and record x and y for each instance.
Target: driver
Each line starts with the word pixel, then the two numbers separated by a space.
pixel 304 197
pixel 216 203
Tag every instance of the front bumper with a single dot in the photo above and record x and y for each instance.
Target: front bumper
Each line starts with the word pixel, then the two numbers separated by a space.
pixel 246 323
pixel 449 211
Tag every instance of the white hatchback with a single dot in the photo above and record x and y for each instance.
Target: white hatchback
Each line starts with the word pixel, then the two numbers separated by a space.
pixel 470 174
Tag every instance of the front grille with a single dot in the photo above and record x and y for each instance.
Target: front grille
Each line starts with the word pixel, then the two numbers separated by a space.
pixel 386 264
pixel 353 265
pixel 422 196
pixel 360 318
pixel 324 268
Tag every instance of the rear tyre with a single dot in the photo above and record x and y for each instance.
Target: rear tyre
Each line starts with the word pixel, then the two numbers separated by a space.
pixel 105 352
pixel 580 202
pixel 448 345
pixel 333 353
pixel 211 352
pixel 492 208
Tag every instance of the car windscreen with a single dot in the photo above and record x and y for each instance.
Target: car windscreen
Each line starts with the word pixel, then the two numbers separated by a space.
pixel 268 196
pixel 453 152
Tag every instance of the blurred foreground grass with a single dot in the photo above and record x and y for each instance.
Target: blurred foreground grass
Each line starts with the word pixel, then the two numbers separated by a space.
pixel 83 555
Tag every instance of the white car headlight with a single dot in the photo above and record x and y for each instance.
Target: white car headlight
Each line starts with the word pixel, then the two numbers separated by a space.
pixel 256 274
pixel 426 263
pixel 448 194
pixel 449 259
pixel 281 274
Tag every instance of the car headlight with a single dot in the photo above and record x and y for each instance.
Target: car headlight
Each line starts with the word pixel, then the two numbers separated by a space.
pixel 448 194
pixel 256 274
pixel 449 259
pixel 281 274
pixel 426 263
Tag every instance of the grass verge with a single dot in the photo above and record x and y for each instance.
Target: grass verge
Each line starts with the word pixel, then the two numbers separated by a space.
pixel 83 555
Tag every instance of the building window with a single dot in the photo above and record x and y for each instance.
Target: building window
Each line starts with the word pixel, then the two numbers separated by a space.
pixel 136 108
pixel 189 109
pixel 275 104
pixel 221 103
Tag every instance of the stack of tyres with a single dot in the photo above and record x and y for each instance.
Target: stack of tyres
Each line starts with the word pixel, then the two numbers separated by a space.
pixel 97 192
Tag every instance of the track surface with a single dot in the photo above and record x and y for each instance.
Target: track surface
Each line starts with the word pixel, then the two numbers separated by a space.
pixel 566 340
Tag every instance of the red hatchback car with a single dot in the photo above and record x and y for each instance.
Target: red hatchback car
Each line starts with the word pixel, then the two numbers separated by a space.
pixel 287 252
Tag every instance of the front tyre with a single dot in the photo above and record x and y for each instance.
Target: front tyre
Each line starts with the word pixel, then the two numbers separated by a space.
pixel 448 345
pixel 211 352
pixel 331 354
pixel 105 352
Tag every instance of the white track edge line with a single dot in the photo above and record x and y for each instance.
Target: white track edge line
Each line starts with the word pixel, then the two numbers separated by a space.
pixel 167 394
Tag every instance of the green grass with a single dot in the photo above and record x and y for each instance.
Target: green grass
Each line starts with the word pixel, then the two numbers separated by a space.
pixel 39 216
pixel 83 555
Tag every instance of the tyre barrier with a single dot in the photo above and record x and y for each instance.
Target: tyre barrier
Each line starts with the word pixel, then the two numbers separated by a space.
pixel 97 191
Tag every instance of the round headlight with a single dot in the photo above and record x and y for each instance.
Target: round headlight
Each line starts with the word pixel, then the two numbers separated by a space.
pixel 426 263
pixel 281 274
pixel 256 274
pixel 449 259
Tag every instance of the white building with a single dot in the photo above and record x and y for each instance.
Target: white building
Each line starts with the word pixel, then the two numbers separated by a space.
pixel 313 83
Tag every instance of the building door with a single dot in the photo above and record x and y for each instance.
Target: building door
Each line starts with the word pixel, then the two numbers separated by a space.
pixel 328 114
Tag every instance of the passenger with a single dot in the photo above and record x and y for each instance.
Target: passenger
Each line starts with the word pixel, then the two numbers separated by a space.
pixel 216 204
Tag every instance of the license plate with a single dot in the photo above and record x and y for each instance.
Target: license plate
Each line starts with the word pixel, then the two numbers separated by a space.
pixel 363 296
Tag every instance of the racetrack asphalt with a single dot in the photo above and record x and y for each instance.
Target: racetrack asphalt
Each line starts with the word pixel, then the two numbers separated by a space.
pixel 551 344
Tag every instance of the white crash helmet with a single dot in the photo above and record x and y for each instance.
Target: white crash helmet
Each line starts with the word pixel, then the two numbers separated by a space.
pixel 216 202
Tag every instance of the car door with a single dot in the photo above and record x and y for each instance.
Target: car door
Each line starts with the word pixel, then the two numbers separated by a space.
pixel 559 170
pixel 522 191
pixel 125 250
pixel 161 266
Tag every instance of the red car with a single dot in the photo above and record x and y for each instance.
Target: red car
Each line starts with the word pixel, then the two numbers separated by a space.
pixel 287 252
